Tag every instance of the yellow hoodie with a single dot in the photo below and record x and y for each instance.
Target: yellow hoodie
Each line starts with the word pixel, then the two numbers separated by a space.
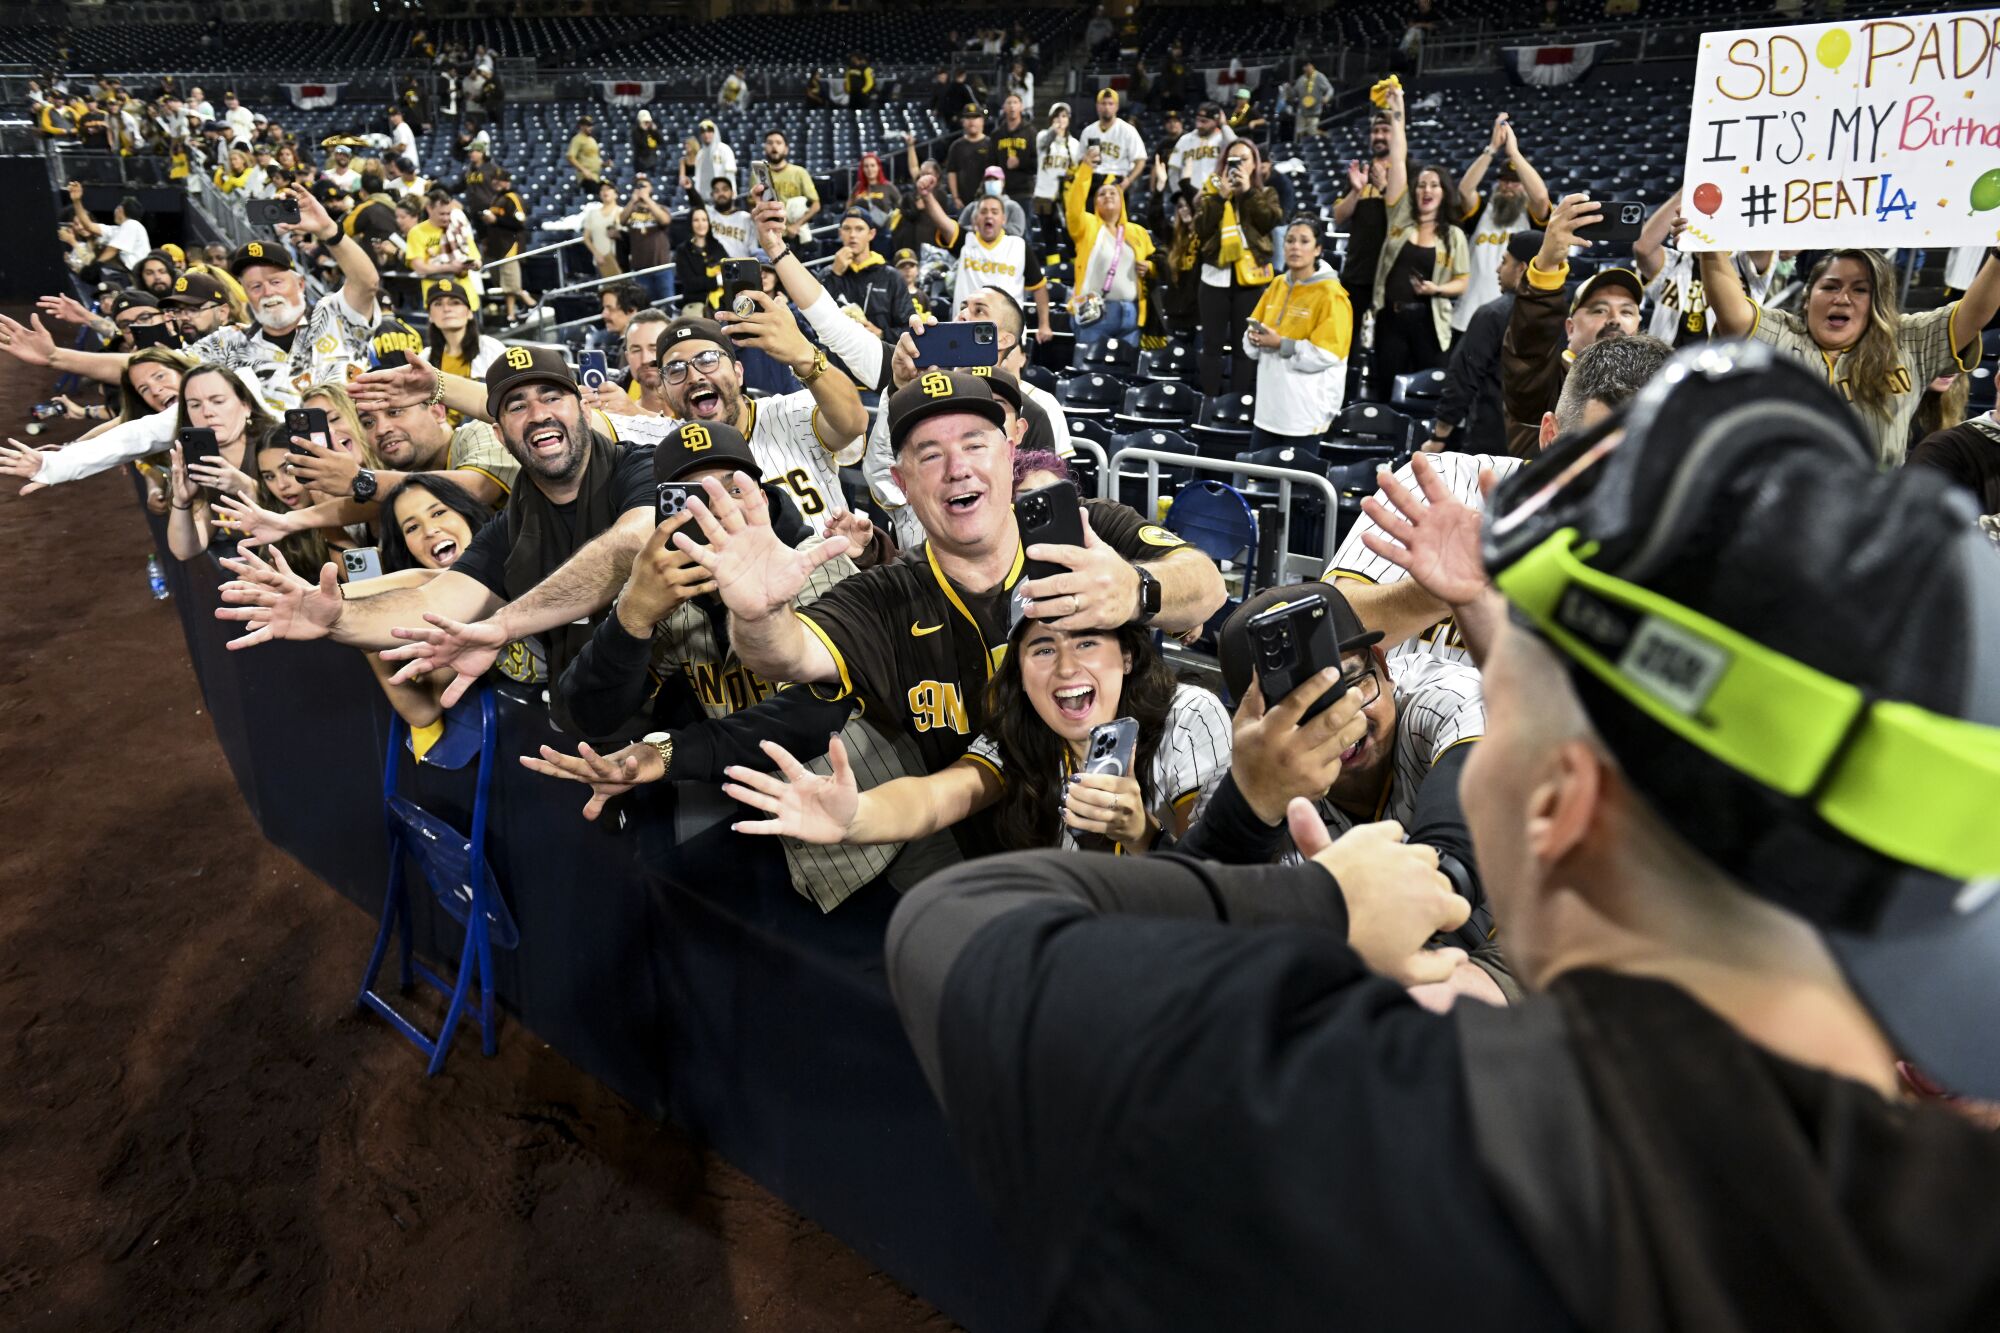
pixel 1302 381
pixel 1084 226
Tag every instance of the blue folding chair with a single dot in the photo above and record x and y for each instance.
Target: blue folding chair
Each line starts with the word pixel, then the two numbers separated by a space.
pixel 1217 520
pixel 460 877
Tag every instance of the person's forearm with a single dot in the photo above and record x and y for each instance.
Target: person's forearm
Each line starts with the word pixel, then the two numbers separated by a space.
pixel 122 443
pixel 798 720
pixel 839 403
pixel 1190 590
pixel 1343 207
pixel 186 537
pixel 363 284
pixel 1532 182
pixel 104 367
pixel 1468 184
pixel 1456 287
pixel 1230 831
pixel 584 585
pixel 903 809
pixel 1042 306
pixel 1439 823
pixel 1976 308
pixel 1479 623
pixel 1648 250
pixel 776 647
pixel 608 681
pixel 857 349
pixel 1400 611
pixel 1735 313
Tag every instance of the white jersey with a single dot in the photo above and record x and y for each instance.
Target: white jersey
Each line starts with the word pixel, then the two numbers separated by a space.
pixel 718 159
pixel 1056 154
pixel 403 140
pixel 1438 706
pixel 331 343
pixel 1005 264
pixel 732 230
pixel 785 437
pixel 1192 757
pixel 1194 159
pixel 1487 246
pixel 1121 150
pixel 1680 304
pixel 1460 473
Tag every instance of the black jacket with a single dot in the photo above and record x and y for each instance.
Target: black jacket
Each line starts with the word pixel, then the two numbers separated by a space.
pixel 1471 398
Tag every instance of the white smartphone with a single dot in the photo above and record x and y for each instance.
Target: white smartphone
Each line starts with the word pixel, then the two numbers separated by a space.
pixel 363 562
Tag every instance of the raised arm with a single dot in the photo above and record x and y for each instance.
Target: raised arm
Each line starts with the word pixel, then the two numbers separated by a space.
pixel 1649 251
pixel 758 577
pixel 1981 300
pixel 1468 184
pixel 1735 312
pixel 1531 180
pixel 34 345
pixel 804 805
pixel 1398 168
pixel 272 602
pixel 362 284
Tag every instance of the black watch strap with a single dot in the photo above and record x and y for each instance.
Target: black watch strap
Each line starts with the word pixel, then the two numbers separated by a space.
pixel 364 486
pixel 1149 595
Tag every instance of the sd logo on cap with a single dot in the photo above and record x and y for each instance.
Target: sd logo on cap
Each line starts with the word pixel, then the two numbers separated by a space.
pixel 939 391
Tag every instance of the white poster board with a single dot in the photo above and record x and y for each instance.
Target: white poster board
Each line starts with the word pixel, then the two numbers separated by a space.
pixel 1877 133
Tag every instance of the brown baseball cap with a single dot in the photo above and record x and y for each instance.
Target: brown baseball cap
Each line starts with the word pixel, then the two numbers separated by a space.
pixel 525 365
pixel 700 444
pixel 1608 277
pixel 260 252
pixel 197 289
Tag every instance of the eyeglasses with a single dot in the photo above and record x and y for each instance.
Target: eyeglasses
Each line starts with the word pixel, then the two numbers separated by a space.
pixel 705 362
pixel 1357 672
pixel 142 317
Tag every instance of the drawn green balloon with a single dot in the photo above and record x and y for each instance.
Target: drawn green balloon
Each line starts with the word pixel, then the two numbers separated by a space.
pixel 1834 48
pixel 1986 191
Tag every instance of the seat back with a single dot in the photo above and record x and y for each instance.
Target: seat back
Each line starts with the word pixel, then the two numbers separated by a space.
pixel 1090 394
pixel 1217 520
pixel 1376 421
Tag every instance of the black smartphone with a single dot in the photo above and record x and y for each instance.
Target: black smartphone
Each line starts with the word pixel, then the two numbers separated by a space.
pixel 672 499
pixel 199 442
pixel 1288 643
pixel 271 212
pixel 1050 515
pixel 740 276
pixel 153 335
pixel 308 423
pixel 1621 222
pixel 962 345
pixel 1112 747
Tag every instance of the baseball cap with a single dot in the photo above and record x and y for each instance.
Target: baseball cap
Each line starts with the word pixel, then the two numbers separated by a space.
pixel 197 289
pixel 447 287
pixel 260 252
pixel 972 109
pixel 905 256
pixel 1239 660
pixel 525 364
pixel 940 391
pixel 1814 707
pixel 1623 278
pixel 1213 110
pixel 1524 245
pixel 995 174
pixel 1243 94
pixel 164 256
pixel 706 125
pixel 700 444
pixel 1103 93
pixel 695 330
pixel 1005 386
pixel 859 215
pixel 132 297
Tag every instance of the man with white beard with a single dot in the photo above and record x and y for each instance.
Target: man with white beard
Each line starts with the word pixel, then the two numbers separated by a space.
pixel 1519 202
pixel 288 346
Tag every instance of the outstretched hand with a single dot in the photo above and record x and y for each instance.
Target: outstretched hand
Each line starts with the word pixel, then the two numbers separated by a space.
pixel 395 386
pixel 756 574
pixel 28 342
pixel 18 460
pixel 470 650
pixel 608 776
pixel 1434 539
pixel 1397 898
pixel 801 803
pixel 259 526
pixel 275 603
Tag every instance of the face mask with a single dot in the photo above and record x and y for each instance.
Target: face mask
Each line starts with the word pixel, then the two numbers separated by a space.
pixel 993 189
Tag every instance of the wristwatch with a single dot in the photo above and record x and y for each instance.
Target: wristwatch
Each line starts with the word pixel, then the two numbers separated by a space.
pixel 663 741
pixel 818 368
pixel 1149 596
pixel 364 486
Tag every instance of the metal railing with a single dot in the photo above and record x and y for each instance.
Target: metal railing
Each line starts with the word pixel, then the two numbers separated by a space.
pixel 1155 459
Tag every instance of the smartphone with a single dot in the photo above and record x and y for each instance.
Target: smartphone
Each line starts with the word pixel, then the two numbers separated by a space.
pixel 1112 746
pixel 963 345
pixel 593 368
pixel 1051 515
pixel 740 276
pixel 308 423
pixel 271 212
pixel 363 562
pixel 760 175
pixel 1622 221
pixel 1288 643
pixel 153 335
pixel 198 442
pixel 672 499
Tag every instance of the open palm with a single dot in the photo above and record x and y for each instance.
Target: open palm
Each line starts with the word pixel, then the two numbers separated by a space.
pixel 755 573
pixel 468 649
pixel 801 803
pixel 274 603
pixel 1434 539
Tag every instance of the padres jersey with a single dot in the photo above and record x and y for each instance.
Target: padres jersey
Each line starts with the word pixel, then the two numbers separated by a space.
pixel 1119 149
pixel 331 343
pixel 693 641
pixel 1438 706
pixel 733 230
pixel 1194 159
pixel 1460 473
pixel 1009 264
pixel 918 649
pixel 786 436
pixel 1192 757
pixel 1486 244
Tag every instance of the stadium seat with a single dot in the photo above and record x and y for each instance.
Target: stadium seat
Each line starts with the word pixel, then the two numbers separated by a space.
pixel 1132 479
pixel 1041 377
pixel 1161 403
pixel 1175 361
pixel 1090 395
pixel 1095 429
pixel 1417 392
pixel 1114 355
pixel 1372 420
pixel 1216 519
pixel 1222 429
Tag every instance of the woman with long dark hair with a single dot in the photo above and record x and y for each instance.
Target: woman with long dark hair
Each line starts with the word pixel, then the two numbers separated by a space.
pixel 1051 690
pixel 1233 218
pixel 1881 359
pixel 1425 264
pixel 457 344
pixel 698 264
pixel 212 398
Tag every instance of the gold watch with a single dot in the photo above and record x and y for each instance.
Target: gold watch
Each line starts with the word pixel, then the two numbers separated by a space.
pixel 663 741
pixel 818 368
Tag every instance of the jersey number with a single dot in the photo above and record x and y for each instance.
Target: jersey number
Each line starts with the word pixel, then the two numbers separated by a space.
pixel 810 502
pixel 936 706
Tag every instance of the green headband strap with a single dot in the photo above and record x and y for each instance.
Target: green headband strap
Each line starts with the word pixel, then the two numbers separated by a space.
pixel 1911 784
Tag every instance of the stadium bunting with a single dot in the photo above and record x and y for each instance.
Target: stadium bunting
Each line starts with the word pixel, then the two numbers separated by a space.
pixel 627 92
pixel 312 96
pixel 1872 133
pixel 1552 66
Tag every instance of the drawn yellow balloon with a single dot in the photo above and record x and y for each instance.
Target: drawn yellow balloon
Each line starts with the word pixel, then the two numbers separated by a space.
pixel 1834 48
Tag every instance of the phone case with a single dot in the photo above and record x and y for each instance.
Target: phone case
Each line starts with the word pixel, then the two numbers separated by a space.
pixel 1112 747
pixel 960 345
pixel 1051 515
pixel 1289 643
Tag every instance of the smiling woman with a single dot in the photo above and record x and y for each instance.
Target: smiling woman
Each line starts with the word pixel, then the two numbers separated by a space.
pixel 1034 766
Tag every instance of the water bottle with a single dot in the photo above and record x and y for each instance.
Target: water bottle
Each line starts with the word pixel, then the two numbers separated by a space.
pixel 155 579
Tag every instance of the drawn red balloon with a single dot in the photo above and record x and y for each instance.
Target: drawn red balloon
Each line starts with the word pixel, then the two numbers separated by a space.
pixel 1708 198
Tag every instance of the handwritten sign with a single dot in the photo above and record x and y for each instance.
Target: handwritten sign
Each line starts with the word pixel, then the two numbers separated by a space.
pixel 1879 133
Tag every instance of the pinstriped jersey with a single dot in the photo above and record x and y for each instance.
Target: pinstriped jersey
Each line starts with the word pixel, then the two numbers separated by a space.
pixel 789 441
pixel 1460 473
pixel 1193 755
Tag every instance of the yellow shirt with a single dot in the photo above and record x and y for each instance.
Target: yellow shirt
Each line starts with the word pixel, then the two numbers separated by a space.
pixel 419 245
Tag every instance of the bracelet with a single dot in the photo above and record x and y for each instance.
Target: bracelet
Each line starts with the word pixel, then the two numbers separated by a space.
pixel 437 391
pixel 183 508
pixel 785 253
